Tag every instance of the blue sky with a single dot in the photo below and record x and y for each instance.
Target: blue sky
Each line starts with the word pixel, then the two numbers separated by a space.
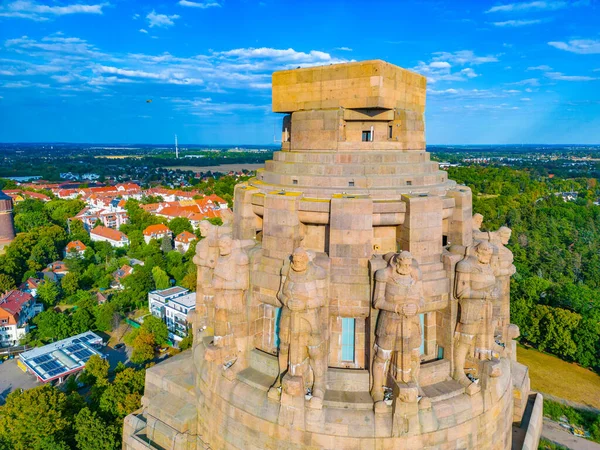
pixel 498 72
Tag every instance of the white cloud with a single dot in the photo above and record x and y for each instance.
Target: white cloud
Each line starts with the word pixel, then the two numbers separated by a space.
pixel 161 20
pixel 201 5
pixel 529 6
pixel 344 49
pixel 525 99
pixel 26 9
pixel 517 23
pixel 511 91
pixel 440 65
pixel 143 31
pixel 135 16
pixel 440 68
pixel 464 57
pixel 527 82
pixel 562 77
pixel 73 64
pixel 581 46
pixel 543 67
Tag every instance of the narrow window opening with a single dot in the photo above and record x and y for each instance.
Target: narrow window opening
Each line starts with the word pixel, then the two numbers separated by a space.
pixel 294 181
pixel 366 136
pixel 348 339
pixel 350 183
pixel 409 183
pixel 444 240
pixel 390 128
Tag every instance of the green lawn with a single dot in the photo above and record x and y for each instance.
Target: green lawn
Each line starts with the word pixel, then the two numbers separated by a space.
pixel 559 378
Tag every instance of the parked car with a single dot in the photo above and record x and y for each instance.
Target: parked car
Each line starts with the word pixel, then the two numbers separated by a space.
pixel 119 346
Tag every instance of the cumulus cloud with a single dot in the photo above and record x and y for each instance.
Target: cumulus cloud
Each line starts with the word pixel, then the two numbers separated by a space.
pixel 581 46
pixel 562 77
pixel 446 66
pixel 143 31
pixel 32 10
pixel 527 82
pixel 517 23
pixel 543 67
pixel 161 20
pixel 201 5
pixel 464 57
pixel 72 63
pixel 529 6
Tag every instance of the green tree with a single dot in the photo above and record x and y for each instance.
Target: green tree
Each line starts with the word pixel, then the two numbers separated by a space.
pixel 105 316
pixel 187 341
pixel 6 283
pixel 70 283
pixel 161 279
pixel 52 325
pixel 48 292
pixel 179 225
pixel 93 433
pixel 30 416
pixel 124 394
pixel 166 244
pixel 82 320
pixel 143 347
pixel 157 328
pixel 96 371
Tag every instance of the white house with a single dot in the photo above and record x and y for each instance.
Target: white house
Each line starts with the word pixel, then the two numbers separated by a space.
pixel 172 305
pixel 113 237
pixel 17 308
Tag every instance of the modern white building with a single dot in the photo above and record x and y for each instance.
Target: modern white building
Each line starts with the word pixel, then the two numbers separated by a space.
pixel 113 237
pixel 172 305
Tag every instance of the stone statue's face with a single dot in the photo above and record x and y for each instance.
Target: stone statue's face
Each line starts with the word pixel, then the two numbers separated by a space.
pixel 484 255
pixel 225 246
pixel 204 229
pixel 404 266
pixel 504 238
pixel 477 221
pixel 299 262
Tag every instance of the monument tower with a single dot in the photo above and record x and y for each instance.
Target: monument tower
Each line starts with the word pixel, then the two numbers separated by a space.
pixel 353 302
pixel 7 230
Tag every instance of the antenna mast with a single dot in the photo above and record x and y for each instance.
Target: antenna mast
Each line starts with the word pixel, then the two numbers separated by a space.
pixel 176 148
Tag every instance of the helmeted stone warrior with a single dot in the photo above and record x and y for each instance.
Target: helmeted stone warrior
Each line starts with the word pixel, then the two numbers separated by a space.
pixel 302 336
pixel 399 296
pixel 229 285
pixel 474 289
pixel 207 253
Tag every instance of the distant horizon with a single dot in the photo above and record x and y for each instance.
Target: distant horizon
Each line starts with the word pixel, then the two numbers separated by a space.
pixel 183 144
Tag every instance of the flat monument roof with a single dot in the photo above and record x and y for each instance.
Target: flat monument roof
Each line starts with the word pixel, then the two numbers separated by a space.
pixel 356 85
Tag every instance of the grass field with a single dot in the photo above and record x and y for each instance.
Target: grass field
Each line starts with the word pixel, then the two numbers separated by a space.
pixel 556 377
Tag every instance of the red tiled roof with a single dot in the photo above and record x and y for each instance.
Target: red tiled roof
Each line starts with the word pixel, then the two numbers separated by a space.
pixel 156 229
pixel 109 233
pixel 14 300
pixel 185 237
pixel 77 246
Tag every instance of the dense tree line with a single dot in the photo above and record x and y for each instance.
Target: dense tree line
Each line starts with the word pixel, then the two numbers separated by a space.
pixel 48 417
pixel 556 244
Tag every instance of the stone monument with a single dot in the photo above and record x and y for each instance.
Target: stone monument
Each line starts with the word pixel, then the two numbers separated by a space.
pixel 357 303
pixel 7 229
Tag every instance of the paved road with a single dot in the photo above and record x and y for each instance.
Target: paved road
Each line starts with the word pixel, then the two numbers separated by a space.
pixel 555 433
pixel 12 378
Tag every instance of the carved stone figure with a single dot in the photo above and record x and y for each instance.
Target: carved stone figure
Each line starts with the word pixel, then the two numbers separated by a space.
pixel 399 297
pixel 302 337
pixel 479 235
pixel 503 266
pixel 474 289
pixel 207 253
pixel 229 285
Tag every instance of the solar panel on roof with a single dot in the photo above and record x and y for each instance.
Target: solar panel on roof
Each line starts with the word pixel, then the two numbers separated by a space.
pixel 55 372
pixel 85 353
pixel 50 365
pixel 75 341
pixel 74 348
pixel 42 359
